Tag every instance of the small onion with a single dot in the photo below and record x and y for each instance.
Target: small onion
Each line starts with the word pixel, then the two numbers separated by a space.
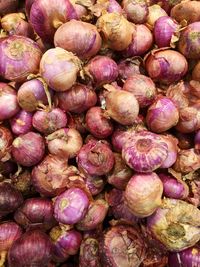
pixel 21 123
pixel 33 248
pixel 8 6
pixel 114 7
pixel 172 143
pixel 59 68
pixel 128 67
pixel 119 138
pixel 95 184
pixel 71 206
pixel 155 12
pixel 145 151
pixel 136 11
pixel 77 121
pixel 64 143
pixel 19 57
pixel 143 194
pixel 6 140
pixel 78 37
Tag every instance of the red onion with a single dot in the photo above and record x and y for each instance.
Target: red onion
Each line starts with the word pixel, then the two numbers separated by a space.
pixel 51 176
pixel 10 199
pixel 78 37
pixel 119 138
pixel 7 168
pixel 71 206
pixel 143 194
pixel 48 121
pixel 166 66
pixel 35 212
pixel 128 67
pixel 77 121
pixel 47 15
pixel 6 139
pixel 114 7
pixel 19 57
pixel 142 87
pixel 172 143
pixel 175 224
pixel 95 184
pixel 65 242
pixel 64 143
pixel 155 12
pixel 23 182
pixel 189 120
pixel 102 69
pixel 97 123
pixel 162 115
pixel 8 6
pixel 21 123
pixel 95 158
pixel 189 257
pixel 136 11
pixel 144 151
pixel 7 95
pixel 59 68
pixel 33 248
pixel 141 42
pixel 77 99
pixel 122 245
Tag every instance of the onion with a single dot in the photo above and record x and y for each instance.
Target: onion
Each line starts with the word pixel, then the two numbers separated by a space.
pixel 6 139
pixel 166 66
pixel 51 176
pixel 143 194
pixel 33 248
pixel 175 224
pixel 97 123
pixel 47 15
pixel 21 123
pixel 136 11
pixel 78 37
pixel 188 257
pixel 23 182
pixel 48 121
pixel 122 245
pixel 77 99
pixel 71 206
pixel 119 138
pixel 128 67
pixel 145 151
pixel 35 212
pixel 116 30
pixel 172 143
pixel 19 57
pixel 7 168
pixel 114 7
pixel 95 158
pixel 165 31
pixel 77 121
pixel 59 68
pixel 28 5
pixel 142 87
pixel 10 199
pixel 196 71
pixel 95 184
pixel 184 140
pixel 28 149
pixel 64 143
pixel 141 42
pixel 155 12
pixel 7 95
pixel 8 6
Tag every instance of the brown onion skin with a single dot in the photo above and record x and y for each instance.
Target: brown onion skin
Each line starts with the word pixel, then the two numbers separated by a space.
pixel 77 121
pixel 78 37
pixel 136 12
pixel 23 183
pixel 8 6
pixel 6 140
pixel 155 12
pixel 77 99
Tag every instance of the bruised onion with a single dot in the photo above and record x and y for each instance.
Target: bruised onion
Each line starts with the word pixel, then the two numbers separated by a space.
pixel 188 257
pixel 33 248
pixel 128 67
pixel 145 151
pixel 48 121
pixel 59 68
pixel 136 11
pixel 6 139
pixel 172 144
pixel 64 143
pixel 28 149
pixel 21 123
pixel 166 66
pixel 19 57
pixel 78 37
pixel 8 6
pixel 155 12
pixel 71 206
pixel 77 99
pixel 35 212
pixel 175 224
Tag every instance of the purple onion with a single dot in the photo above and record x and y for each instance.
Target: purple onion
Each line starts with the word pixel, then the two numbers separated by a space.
pixel 6 140
pixel 28 149
pixel 48 121
pixel 71 206
pixel 128 67
pixel 187 258
pixel 21 123
pixel 28 5
pixel 197 140
pixel 95 184
pixel 119 138
pixel 172 144
pixel 114 7
pixel 136 11
pixel 7 168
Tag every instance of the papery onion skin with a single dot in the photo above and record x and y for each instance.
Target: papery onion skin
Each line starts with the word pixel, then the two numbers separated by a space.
pixel 21 123
pixel 28 149
pixel 189 120
pixel 142 87
pixel 71 206
pixel 128 67
pixel 196 71
pixel 48 122
pixel 19 57
pixel 143 194
pixel 77 121
pixel 95 158
pixel 172 144
pixel 77 99
pixel 24 251
pixel 23 183
pixel 141 42
pixel 175 224
pixel 59 68
pixel 166 66
pixel 35 213
pixel 155 12
pixel 136 11
pixel 97 123
pixel 8 6
pixel 78 37
pixel 144 152
pixel 6 140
